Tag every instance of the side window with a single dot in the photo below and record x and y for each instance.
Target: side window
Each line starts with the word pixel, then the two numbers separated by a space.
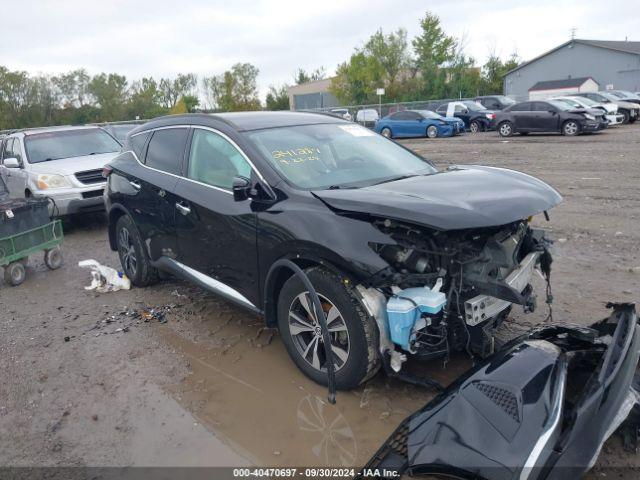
pixel 540 106
pixel 137 144
pixel 215 161
pixel 12 149
pixel 166 149
pixel 413 116
pixel 3 148
pixel 521 107
pixel 403 116
pixel 459 109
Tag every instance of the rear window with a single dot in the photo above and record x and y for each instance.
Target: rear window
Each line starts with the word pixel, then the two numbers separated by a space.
pixel 49 146
pixel 166 149
pixel 137 143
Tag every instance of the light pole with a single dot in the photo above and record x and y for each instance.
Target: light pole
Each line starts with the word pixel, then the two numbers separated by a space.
pixel 380 93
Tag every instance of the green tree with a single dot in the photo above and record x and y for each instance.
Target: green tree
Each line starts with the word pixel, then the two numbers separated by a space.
pixel 434 50
pixel 301 76
pixel 110 92
pixel 384 61
pixel 145 100
pixel 172 90
pixel 494 70
pixel 234 90
pixel 278 98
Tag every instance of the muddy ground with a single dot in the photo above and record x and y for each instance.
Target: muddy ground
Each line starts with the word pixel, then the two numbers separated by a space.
pixel 85 383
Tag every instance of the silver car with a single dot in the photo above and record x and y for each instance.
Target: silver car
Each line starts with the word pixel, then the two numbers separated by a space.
pixel 62 163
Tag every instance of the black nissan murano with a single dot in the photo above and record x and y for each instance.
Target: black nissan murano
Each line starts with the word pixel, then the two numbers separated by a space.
pixel 218 199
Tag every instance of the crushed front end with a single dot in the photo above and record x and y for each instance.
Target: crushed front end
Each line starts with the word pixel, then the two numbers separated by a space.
pixel 540 408
pixel 480 274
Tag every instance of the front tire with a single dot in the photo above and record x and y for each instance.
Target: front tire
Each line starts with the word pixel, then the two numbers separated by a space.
pixel 625 117
pixel 14 273
pixel 386 132
pixel 352 330
pixel 133 257
pixel 432 131
pixel 505 129
pixel 570 128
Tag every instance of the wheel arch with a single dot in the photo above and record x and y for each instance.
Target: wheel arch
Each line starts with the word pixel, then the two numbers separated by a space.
pixel 276 278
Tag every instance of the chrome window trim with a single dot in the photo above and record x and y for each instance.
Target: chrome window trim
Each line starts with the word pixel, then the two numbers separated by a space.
pixel 201 127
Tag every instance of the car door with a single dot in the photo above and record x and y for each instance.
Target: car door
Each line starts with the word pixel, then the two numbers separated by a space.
pixel 523 116
pixel 15 178
pixel 545 118
pixel 463 114
pixel 216 234
pixel 152 200
pixel 416 125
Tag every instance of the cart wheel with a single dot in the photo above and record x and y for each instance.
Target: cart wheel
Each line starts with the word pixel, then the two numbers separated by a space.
pixel 14 274
pixel 53 258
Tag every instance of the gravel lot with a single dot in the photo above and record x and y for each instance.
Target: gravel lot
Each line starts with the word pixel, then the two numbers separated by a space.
pixel 212 387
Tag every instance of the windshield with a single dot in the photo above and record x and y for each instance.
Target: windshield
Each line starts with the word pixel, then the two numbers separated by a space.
pixel 609 96
pixel 318 157
pixel 562 104
pixel 429 114
pixel 624 94
pixel 572 103
pixel 474 105
pixel 506 100
pixel 55 145
pixel 586 101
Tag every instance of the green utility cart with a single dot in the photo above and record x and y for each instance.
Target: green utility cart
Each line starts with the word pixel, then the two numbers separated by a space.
pixel 25 228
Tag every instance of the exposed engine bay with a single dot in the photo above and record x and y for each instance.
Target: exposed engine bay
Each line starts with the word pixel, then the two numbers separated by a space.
pixel 449 290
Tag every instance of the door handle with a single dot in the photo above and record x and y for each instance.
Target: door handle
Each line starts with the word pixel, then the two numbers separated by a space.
pixel 135 185
pixel 183 209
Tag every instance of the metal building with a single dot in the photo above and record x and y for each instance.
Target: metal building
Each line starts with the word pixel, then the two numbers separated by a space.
pixel 312 95
pixel 611 64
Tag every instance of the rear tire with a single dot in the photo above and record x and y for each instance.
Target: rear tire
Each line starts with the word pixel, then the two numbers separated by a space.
pixel 386 132
pixel 633 120
pixel 475 127
pixel 14 273
pixel 353 335
pixel 133 257
pixel 505 129
pixel 432 131
pixel 53 258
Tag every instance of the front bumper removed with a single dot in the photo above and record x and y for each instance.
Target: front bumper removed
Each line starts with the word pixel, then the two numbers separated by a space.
pixel 540 408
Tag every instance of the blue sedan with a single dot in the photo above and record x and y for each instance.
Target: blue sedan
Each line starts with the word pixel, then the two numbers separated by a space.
pixel 418 123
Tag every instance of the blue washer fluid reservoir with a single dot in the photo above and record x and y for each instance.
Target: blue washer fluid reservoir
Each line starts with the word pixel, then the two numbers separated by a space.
pixel 406 307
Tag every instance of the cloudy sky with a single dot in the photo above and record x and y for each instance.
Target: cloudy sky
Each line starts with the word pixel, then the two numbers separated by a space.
pixel 161 38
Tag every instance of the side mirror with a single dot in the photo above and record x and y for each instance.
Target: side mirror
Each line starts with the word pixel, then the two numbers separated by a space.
pixel 11 162
pixel 241 187
pixel 552 112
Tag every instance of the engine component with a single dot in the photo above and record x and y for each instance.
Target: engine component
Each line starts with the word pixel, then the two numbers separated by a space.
pixel 407 306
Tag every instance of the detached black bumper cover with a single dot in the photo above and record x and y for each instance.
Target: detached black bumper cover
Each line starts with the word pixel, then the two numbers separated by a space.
pixel 541 407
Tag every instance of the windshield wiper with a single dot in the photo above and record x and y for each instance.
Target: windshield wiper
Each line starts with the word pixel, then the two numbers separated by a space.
pixel 400 177
pixel 340 187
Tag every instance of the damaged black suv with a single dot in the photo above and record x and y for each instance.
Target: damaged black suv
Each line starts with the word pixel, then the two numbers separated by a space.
pixel 407 260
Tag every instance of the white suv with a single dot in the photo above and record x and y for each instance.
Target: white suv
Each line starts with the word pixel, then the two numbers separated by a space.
pixel 62 163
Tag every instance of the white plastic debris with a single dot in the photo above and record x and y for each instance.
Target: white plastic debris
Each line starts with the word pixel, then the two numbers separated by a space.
pixel 105 279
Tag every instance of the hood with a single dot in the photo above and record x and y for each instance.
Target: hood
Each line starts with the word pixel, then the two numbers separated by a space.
pixel 590 111
pixel 627 105
pixel 458 198
pixel 452 120
pixel 69 166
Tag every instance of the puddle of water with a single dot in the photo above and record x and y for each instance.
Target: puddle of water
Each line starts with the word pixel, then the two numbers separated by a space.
pixel 165 435
pixel 261 404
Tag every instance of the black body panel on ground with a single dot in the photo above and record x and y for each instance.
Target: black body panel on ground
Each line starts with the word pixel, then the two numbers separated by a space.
pixel 539 408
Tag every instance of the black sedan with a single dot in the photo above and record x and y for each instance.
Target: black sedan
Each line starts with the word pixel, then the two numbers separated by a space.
pixel 474 115
pixel 548 116
pixel 221 200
